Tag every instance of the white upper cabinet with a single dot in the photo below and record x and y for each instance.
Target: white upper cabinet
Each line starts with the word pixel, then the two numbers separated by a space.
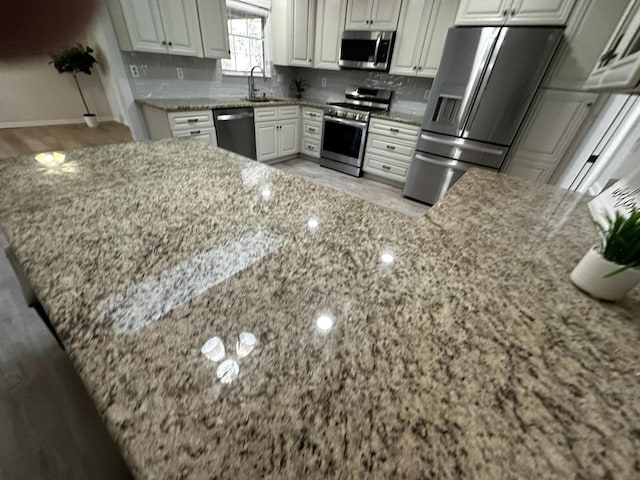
pixel 514 12
pixel 372 14
pixel 540 12
pixel 159 26
pixel 422 31
pixel 181 27
pixel 301 27
pixel 618 66
pixel 144 25
pixel 483 12
pixel 214 28
pixel 330 18
pixel 588 30
pixel 292 32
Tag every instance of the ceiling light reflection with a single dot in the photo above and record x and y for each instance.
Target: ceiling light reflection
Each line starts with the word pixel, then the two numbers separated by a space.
pixel 387 258
pixel 313 223
pixel 324 322
pixel 50 159
pixel 266 193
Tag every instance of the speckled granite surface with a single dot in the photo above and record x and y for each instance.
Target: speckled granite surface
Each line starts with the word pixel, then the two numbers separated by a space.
pixel 210 103
pixel 469 356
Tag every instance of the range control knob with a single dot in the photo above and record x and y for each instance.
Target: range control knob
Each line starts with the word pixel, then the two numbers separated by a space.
pixel 360 116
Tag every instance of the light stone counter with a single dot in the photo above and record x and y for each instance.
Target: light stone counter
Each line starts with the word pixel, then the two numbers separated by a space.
pixel 181 104
pixel 468 355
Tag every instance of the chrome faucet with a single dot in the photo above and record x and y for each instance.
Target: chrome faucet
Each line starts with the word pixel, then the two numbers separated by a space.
pixel 252 84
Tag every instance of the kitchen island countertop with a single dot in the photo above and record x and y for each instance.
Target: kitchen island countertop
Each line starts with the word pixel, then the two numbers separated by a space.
pixel 456 346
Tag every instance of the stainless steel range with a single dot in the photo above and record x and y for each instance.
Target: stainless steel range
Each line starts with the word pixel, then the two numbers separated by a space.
pixel 345 127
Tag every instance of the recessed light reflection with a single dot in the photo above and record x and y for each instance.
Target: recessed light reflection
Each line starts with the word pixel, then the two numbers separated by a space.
pixel 228 371
pixel 324 322
pixel 266 193
pixel 313 223
pixel 50 159
pixel 387 258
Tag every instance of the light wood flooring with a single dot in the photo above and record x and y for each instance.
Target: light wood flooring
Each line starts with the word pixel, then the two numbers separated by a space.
pixel 17 141
pixel 365 188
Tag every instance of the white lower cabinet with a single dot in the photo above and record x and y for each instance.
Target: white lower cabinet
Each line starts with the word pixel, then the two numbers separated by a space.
pixel 390 147
pixel 311 131
pixel 196 124
pixel 277 132
pixel 552 125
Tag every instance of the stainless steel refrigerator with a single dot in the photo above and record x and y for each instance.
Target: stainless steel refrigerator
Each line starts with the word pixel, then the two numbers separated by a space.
pixel 486 81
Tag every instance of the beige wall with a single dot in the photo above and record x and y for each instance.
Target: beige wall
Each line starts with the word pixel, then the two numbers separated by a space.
pixel 34 93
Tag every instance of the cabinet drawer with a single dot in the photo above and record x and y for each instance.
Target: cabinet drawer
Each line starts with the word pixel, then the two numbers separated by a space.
pixel 290 111
pixel 399 131
pixel 390 146
pixel 311 129
pixel 312 114
pixel 188 120
pixel 265 114
pixel 207 135
pixel 379 166
pixel 311 148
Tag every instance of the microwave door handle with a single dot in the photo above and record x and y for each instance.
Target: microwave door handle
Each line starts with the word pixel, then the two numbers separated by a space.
pixel 375 52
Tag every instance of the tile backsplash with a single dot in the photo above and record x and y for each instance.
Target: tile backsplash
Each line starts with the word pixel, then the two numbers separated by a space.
pixel 203 78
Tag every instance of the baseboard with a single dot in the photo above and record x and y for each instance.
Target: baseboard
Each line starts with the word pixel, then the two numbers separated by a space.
pixel 47 123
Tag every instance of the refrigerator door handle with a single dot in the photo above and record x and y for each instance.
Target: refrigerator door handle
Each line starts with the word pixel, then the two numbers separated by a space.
pixel 467 146
pixel 453 164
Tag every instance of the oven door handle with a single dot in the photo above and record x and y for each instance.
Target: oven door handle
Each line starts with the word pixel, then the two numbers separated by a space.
pixel 344 121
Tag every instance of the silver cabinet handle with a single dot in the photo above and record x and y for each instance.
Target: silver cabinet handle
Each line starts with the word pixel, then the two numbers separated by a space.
pixel 311 129
pixel 391 147
pixel 192 120
pixel 386 168
pixel 395 130
pixel 311 114
pixel 194 132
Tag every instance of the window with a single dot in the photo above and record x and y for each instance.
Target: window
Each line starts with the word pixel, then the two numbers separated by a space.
pixel 246 42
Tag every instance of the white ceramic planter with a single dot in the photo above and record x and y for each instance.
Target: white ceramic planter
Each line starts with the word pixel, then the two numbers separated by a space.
pixel 91 120
pixel 590 276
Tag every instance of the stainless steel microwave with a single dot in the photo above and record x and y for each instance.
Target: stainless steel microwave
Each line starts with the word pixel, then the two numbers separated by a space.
pixel 366 50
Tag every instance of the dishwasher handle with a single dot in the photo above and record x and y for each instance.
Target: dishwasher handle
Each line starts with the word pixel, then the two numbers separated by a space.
pixel 234 116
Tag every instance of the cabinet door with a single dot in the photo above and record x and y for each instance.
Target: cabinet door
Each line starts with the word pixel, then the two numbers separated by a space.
pixel 330 20
pixel 181 26
pixel 442 17
pixel 214 28
pixel 144 25
pixel 266 141
pixel 384 15
pixel 551 127
pixel 414 20
pixel 288 138
pixel 301 27
pixel 591 24
pixel 483 12
pixel 358 14
pixel 540 12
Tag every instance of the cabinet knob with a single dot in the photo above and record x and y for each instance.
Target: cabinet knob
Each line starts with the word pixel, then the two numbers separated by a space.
pixel 414 68
pixel 589 104
pixel 164 43
pixel 513 12
pixel 505 12
pixel 170 43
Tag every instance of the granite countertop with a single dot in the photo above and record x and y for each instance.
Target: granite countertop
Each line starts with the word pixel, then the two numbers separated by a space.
pixel 468 355
pixel 178 104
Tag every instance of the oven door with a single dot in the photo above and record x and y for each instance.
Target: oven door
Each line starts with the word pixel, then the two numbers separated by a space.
pixel 343 140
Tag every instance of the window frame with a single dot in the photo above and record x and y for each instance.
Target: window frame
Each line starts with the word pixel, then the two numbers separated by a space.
pixel 266 47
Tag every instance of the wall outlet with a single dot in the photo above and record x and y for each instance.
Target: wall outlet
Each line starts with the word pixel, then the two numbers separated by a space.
pixel 135 73
pixel 180 73
pixel 323 82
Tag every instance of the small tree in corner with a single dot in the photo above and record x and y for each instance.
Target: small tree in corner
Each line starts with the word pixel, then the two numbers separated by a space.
pixel 74 60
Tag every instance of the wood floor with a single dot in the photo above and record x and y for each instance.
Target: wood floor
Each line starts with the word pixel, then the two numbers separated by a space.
pixel 17 141
pixel 365 188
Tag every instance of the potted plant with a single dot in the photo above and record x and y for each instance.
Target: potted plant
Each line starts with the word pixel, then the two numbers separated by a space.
pixel 74 60
pixel 610 270
pixel 299 85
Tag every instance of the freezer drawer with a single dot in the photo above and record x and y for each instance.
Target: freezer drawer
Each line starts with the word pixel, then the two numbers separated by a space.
pixel 430 177
pixel 471 151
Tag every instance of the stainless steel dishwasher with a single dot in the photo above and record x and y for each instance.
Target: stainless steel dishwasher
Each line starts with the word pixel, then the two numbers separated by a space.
pixel 235 130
